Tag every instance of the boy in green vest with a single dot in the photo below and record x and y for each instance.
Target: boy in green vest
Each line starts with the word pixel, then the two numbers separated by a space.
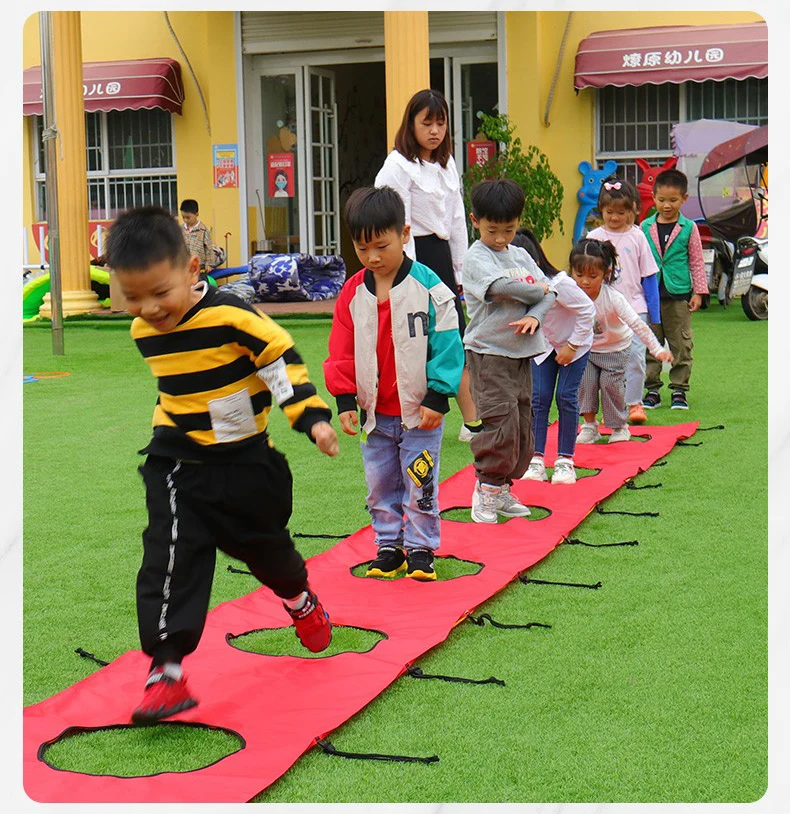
pixel 677 249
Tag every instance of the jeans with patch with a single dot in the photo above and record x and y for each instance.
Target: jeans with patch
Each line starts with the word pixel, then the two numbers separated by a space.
pixel 403 511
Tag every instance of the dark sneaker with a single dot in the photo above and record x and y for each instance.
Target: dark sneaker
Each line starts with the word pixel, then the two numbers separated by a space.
pixel 679 400
pixel 164 696
pixel 420 564
pixel 390 561
pixel 312 624
pixel 651 400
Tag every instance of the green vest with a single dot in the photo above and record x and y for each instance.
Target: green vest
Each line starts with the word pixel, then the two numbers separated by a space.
pixel 673 267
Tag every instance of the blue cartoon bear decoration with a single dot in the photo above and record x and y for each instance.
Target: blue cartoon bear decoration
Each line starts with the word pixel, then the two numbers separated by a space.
pixel 588 192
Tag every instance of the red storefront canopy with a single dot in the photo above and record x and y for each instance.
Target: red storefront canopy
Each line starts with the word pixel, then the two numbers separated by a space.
pixel 130 84
pixel 682 53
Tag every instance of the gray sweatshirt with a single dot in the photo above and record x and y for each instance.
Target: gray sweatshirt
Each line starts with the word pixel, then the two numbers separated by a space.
pixel 493 302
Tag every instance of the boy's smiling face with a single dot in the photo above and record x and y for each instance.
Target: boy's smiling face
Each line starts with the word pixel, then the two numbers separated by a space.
pixel 382 253
pixel 668 201
pixel 162 293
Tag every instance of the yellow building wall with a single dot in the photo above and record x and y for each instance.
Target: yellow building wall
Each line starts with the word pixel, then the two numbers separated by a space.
pixel 207 40
pixel 533 43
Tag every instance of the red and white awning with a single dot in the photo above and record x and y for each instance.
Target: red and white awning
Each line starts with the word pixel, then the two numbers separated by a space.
pixel 682 53
pixel 131 84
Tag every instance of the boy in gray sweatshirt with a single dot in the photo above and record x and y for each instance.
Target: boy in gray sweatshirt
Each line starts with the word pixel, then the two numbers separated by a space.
pixel 499 282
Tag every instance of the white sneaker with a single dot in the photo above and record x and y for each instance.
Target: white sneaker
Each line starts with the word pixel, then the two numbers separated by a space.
pixel 564 471
pixel 536 470
pixel 484 502
pixel 620 434
pixel 510 506
pixel 466 435
pixel 589 433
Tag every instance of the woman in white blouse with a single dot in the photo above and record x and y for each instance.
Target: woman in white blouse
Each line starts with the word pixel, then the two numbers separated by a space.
pixel 422 170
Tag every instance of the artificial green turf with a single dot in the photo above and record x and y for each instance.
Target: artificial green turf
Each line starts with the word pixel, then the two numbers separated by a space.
pixel 652 688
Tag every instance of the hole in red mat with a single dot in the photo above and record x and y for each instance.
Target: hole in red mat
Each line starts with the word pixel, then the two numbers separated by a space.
pixel 446 568
pixel 282 641
pixel 126 750
pixel 463 514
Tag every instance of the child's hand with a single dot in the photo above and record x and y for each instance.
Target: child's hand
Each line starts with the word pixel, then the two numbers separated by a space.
pixel 325 438
pixel 695 302
pixel 347 419
pixel 545 286
pixel 525 325
pixel 430 418
pixel 665 356
pixel 564 355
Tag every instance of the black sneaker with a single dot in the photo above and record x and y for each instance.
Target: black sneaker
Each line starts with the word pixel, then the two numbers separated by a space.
pixel 651 400
pixel 420 562
pixel 679 400
pixel 390 561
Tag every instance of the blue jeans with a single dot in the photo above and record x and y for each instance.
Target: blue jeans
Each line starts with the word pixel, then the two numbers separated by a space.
pixel 567 378
pixel 403 512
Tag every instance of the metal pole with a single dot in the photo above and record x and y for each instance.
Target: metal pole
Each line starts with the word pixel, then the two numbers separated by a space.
pixel 49 138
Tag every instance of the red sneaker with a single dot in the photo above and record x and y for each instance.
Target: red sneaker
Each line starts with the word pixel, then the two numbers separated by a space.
pixel 312 624
pixel 164 696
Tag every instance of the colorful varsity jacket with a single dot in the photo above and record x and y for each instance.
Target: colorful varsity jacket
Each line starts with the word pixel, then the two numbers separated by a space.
pixel 217 371
pixel 429 356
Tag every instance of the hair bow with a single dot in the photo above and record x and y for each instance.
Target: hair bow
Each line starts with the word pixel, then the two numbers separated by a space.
pixel 615 185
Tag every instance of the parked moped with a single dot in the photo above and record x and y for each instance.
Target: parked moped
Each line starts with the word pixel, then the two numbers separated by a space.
pixel 733 196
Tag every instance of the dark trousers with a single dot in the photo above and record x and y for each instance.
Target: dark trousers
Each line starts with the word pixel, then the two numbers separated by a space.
pixel 193 510
pixel 435 253
pixel 502 391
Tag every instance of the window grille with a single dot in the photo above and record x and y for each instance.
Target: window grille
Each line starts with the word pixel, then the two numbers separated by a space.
pixel 129 162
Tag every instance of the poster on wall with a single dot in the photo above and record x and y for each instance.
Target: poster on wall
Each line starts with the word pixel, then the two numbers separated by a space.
pixel 479 152
pixel 281 175
pixel 226 165
pixel 97 235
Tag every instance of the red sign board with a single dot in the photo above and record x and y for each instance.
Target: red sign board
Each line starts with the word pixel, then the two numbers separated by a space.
pixel 281 175
pixel 41 231
pixel 479 152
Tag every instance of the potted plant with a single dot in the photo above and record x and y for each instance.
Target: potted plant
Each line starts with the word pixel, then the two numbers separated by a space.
pixel 529 168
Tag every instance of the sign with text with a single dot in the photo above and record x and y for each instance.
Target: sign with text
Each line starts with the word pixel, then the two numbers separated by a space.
pixel 226 165
pixel 280 175
pixel 479 152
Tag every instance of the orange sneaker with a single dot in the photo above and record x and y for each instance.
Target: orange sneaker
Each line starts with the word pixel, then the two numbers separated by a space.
pixel 637 414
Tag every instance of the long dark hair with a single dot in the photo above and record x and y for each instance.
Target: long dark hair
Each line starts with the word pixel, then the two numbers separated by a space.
pixel 525 238
pixel 589 252
pixel 405 142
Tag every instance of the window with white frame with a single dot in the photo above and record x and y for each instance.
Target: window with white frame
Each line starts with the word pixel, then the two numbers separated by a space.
pixel 130 162
pixel 636 122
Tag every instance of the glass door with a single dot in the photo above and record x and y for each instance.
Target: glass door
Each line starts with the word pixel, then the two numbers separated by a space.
pixel 475 89
pixel 281 188
pixel 323 191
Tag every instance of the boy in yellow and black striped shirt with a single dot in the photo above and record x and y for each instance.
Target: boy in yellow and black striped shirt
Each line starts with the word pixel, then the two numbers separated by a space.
pixel 213 478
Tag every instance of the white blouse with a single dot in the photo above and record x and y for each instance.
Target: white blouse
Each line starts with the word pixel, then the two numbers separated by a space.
pixel 433 200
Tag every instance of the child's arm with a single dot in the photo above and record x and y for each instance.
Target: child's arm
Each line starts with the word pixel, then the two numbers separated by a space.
pixel 648 270
pixel 339 366
pixel 699 280
pixel 208 250
pixel 507 289
pixel 626 314
pixel 445 358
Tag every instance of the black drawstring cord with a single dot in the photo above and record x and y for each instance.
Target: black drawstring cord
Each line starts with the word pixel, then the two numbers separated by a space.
pixel 705 429
pixel 599 510
pixel 416 672
pixel 80 652
pixel 323 536
pixel 481 620
pixel 629 484
pixel 687 444
pixel 574 541
pixel 329 749
pixel 524 580
pixel 239 571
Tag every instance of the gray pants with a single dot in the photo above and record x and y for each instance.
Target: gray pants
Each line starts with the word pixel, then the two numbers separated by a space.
pixel 605 373
pixel 502 392
pixel 675 327
pixel 635 369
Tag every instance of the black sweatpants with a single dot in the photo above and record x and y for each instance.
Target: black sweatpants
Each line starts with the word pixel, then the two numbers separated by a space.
pixel 193 510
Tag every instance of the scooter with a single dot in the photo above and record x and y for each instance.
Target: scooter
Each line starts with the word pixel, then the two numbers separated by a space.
pixel 733 197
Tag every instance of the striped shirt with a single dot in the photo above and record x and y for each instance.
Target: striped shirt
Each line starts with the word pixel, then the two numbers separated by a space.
pixel 217 371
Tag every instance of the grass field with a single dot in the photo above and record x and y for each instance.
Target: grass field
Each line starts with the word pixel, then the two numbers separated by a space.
pixel 652 689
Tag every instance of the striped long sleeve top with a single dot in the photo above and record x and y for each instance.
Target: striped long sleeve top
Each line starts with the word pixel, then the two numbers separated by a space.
pixel 218 372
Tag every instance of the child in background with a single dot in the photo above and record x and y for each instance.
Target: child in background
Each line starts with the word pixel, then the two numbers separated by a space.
pixel 593 263
pixel 618 202
pixel 568 328
pixel 197 235
pixel 395 351
pixel 213 478
pixel 677 249
pixel 499 280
